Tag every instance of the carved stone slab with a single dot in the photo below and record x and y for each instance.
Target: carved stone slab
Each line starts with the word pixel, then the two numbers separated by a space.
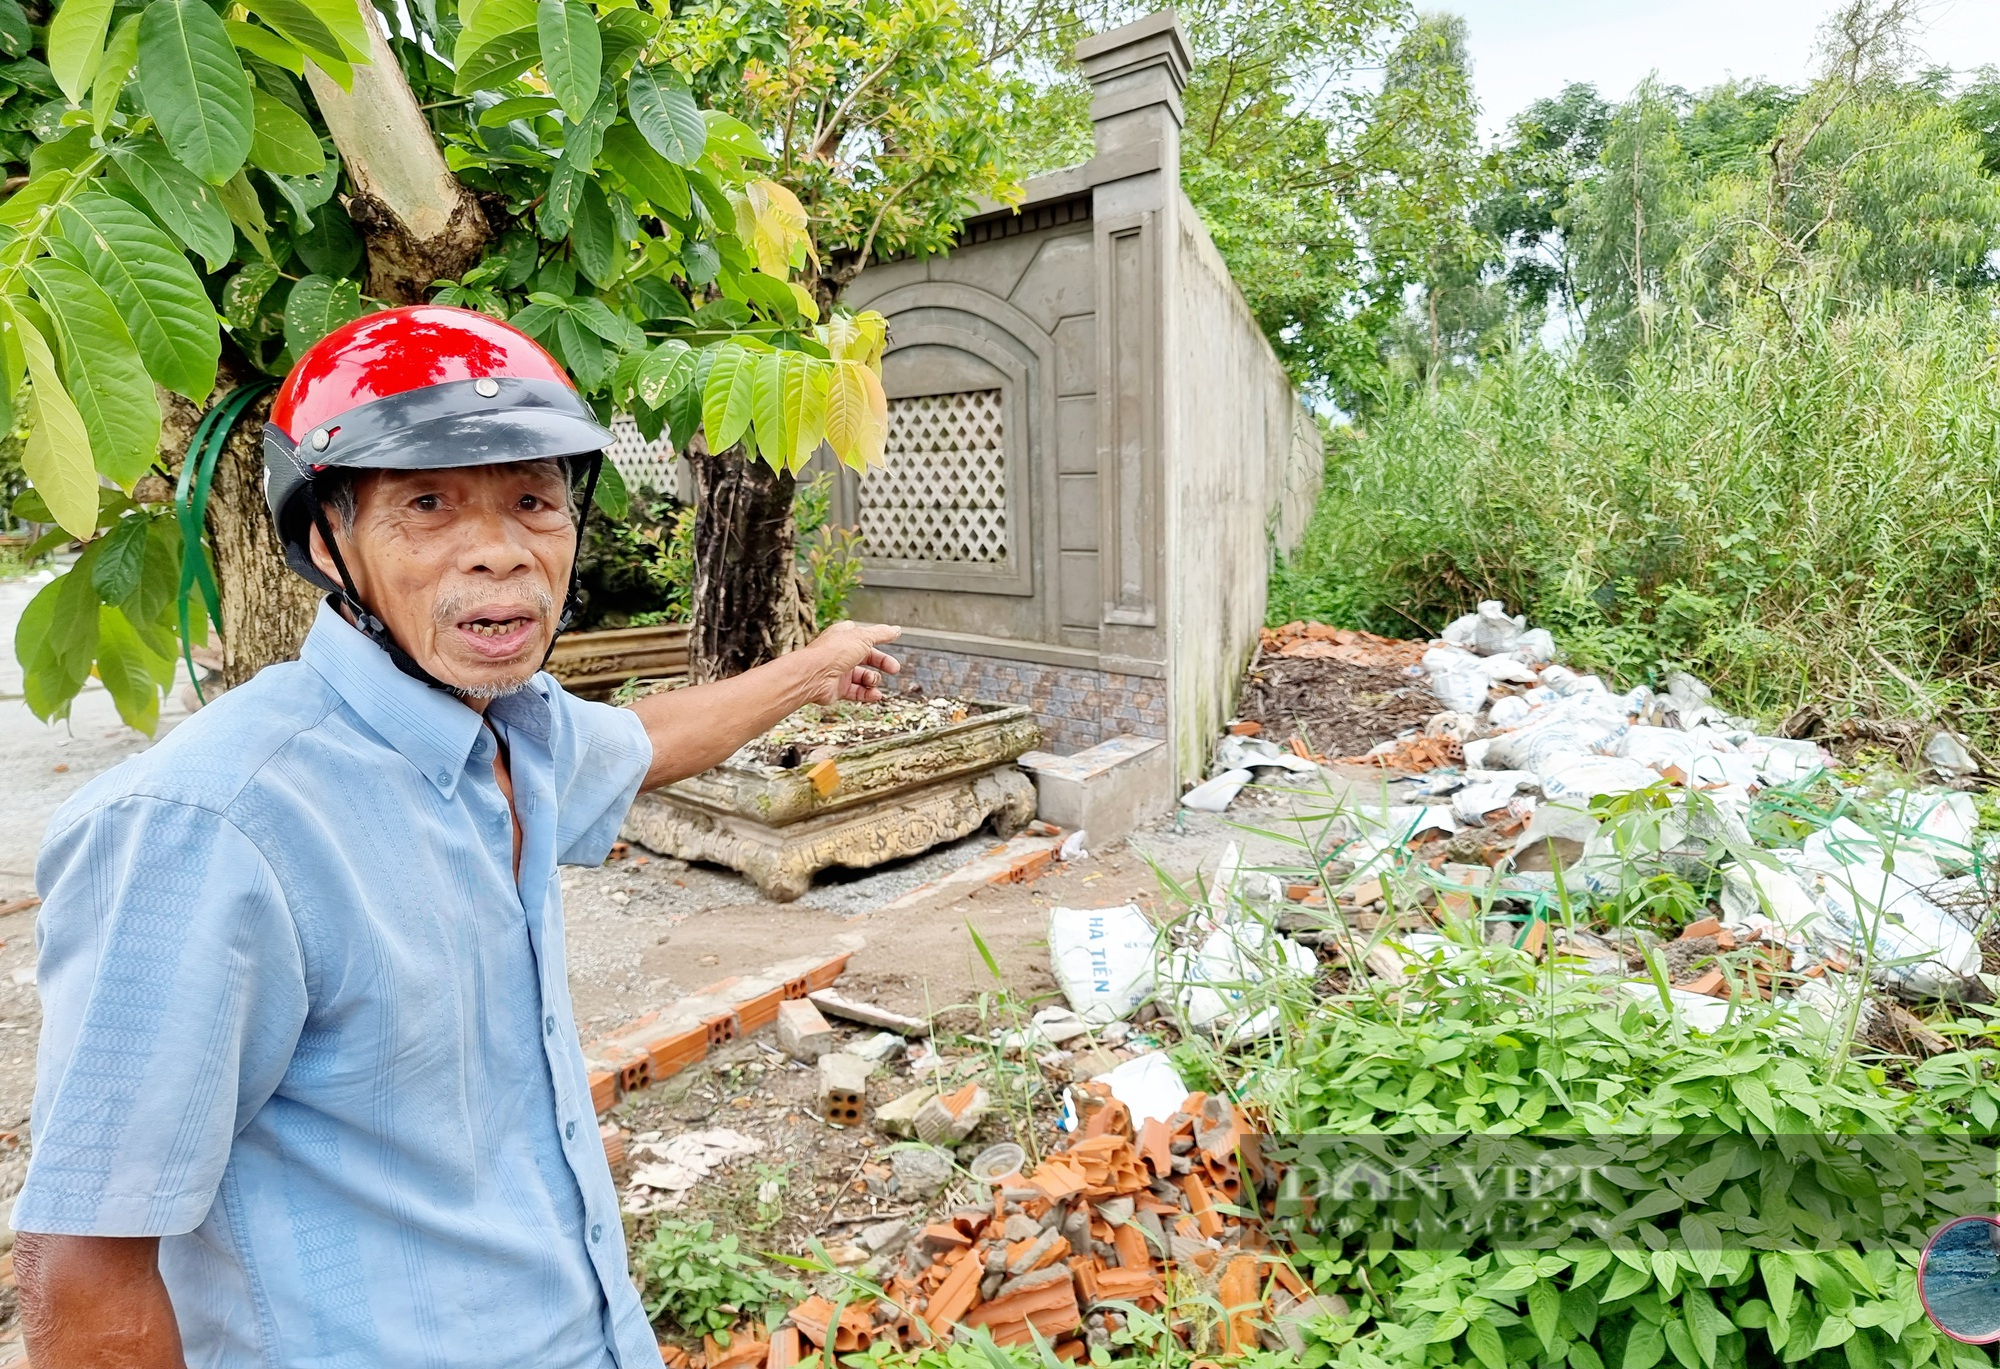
pixel 782 860
pixel 991 735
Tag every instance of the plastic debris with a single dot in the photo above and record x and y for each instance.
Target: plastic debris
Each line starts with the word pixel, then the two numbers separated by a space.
pixel 678 1165
pixel 1949 757
pixel 1148 1085
pixel 1217 793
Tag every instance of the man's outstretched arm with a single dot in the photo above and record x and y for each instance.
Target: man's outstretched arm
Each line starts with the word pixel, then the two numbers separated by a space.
pixel 95 1302
pixel 694 729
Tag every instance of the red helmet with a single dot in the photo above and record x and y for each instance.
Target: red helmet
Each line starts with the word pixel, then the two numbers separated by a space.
pixel 419 388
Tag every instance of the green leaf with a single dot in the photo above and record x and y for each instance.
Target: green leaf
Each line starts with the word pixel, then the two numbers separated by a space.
pixel 345 19
pixel 767 406
pixel 1626 1280
pixel 330 247
pixel 188 206
pixel 127 669
pixel 15 35
pixel 157 293
pixel 195 87
pixel 805 408
pixel 259 41
pixel 559 204
pixel 732 137
pixel 592 236
pixel 572 53
pixel 615 329
pixel 31 200
pixel 519 107
pixel 666 115
pixel 1704 1323
pixel 665 372
pixel 103 370
pixel 1756 1099
pixel 121 561
pixel 1779 1282
pixel 76 44
pixel 1545 1312
pixel 243 296
pixel 56 641
pixel 656 180
pixel 304 29
pixel 726 401
pixel 1483 1339
pixel 1583 1356
pixel 1862 1352
pixel 284 143
pixel 316 307
pixel 246 212
pixel 1644 1347
pixel 582 350
pixel 583 138
pixel 114 69
pixel 491 20
pixel 57 456
pixel 611 494
pixel 1834 1331
pixel 498 62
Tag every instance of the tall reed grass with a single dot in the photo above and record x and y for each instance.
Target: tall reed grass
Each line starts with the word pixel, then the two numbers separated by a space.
pixel 1789 512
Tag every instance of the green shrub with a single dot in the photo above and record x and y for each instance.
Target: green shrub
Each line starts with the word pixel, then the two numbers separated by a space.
pixel 1758 1197
pixel 1783 511
pixel 692 1279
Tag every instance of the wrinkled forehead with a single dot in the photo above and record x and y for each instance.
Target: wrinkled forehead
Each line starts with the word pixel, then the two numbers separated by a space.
pixel 548 476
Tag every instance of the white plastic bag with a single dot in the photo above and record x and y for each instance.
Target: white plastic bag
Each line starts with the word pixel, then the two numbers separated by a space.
pixel 1149 1086
pixel 1493 632
pixel 1102 959
pixel 1214 795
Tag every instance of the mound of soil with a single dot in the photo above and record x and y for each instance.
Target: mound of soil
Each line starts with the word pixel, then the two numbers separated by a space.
pixel 1337 708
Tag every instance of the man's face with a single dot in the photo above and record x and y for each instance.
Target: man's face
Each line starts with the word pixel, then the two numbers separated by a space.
pixel 467 567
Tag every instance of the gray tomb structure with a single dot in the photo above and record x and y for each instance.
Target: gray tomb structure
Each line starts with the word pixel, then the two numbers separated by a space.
pixel 1094 454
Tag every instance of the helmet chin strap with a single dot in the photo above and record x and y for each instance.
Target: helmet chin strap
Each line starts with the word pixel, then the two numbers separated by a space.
pixel 377 631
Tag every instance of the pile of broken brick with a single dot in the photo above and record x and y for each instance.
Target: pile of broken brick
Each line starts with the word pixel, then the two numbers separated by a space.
pixel 1161 1218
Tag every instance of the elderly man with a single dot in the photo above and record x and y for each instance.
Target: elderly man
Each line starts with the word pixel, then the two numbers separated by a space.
pixel 310 1091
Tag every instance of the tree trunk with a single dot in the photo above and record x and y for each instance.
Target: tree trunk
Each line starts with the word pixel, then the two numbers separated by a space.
pixel 747 603
pixel 420 224
pixel 265 608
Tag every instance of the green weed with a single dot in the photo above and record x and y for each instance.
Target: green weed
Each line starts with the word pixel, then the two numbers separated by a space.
pixel 702 1283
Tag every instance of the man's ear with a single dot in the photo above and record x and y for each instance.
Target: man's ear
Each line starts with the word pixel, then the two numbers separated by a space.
pixel 321 557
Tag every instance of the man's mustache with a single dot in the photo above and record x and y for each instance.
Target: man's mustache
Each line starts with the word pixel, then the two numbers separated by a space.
pixel 452 609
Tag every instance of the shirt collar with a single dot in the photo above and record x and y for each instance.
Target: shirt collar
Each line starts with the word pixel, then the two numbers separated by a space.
pixel 428 727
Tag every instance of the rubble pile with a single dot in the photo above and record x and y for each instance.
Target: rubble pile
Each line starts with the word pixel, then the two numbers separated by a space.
pixel 1125 1216
pixel 1523 758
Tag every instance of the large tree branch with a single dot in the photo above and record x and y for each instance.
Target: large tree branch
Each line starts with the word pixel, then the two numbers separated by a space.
pixel 420 223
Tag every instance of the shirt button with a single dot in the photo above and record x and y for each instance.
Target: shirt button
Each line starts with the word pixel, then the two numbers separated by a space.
pixel 596 1233
pixel 569 1131
pixel 443 779
pixel 549 1026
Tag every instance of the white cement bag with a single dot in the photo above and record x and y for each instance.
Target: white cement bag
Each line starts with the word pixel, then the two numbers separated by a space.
pixel 1591 776
pixel 1102 959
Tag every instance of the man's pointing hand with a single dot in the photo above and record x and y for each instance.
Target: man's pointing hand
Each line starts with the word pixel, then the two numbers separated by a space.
pixel 850 664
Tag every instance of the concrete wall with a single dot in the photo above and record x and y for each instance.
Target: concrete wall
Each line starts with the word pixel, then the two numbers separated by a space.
pixel 1246 468
pixel 1153 452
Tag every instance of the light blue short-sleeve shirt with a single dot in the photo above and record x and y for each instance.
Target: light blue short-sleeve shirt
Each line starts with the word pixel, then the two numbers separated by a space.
pixel 301 1021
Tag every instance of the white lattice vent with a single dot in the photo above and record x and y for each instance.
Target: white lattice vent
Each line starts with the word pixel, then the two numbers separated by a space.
pixel 941 495
pixel 641 463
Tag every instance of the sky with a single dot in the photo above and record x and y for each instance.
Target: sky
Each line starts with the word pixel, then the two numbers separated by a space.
pixel 1523 50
